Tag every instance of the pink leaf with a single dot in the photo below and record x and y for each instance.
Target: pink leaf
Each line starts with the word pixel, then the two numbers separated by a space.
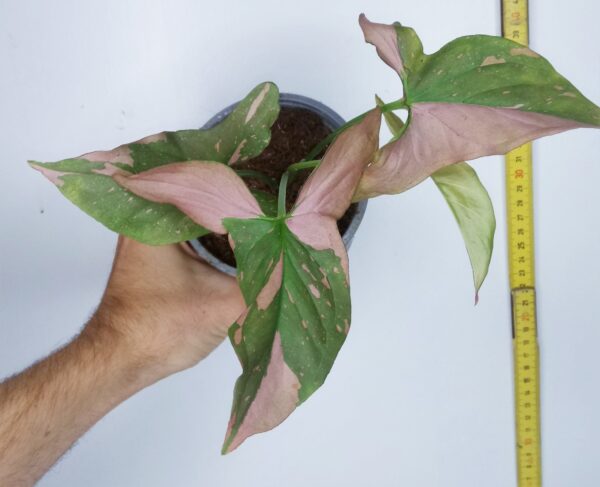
pixel 384 38
pixel 329 189
pixel 206 191
pixel 276 398
pixel 440 134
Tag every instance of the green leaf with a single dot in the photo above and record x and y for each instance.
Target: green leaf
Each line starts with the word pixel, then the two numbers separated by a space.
pixel 472 207
pixel 491 71
pixel 241 136
pixel 87 180
pixel 470 204
pixel 267 202
pixel 125 213
pixel 293 329
pixel 477 96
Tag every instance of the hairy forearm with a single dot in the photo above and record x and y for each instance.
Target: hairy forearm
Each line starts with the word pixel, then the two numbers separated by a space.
pixel 163 311
pixel 46 408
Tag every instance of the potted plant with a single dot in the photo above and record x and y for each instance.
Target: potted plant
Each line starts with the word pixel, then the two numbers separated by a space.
pixel 476 96
pixel 302 123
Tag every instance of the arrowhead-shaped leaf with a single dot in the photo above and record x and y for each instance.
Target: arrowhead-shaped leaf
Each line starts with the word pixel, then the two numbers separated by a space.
pixel 470 204
pixel 294 327
pixel 478 95
pixel 292 270
pixel 86 180
pixel 294 275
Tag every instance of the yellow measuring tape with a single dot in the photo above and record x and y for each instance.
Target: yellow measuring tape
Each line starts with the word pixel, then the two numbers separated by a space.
pixel 522 281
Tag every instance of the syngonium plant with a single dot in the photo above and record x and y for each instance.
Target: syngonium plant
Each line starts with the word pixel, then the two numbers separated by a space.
pixel 478 95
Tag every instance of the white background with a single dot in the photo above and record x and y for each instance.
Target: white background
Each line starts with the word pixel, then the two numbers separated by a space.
pixel 421 394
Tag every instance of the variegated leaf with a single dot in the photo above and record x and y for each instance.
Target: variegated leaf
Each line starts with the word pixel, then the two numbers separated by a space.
pixel 470 204
pixel 292 270
pixel 206 191
pixel 294 274
pixel 86 180
pixel 290 335
pixel 476 96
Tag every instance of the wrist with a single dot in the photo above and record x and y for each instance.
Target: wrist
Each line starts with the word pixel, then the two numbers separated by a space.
pixel 122 359
pixel 155 335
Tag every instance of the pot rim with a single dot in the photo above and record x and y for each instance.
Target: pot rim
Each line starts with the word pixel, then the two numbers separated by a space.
pixel 333 121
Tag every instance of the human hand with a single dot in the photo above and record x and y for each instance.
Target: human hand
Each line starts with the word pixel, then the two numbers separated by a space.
pixel 165 308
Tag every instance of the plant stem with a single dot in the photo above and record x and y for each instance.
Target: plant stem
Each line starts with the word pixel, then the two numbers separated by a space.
pixel 388 107
pixel 309 161
pixel 394 105
pixel 285 178
pixel 249 173
pixel 281 209
pixel 298 166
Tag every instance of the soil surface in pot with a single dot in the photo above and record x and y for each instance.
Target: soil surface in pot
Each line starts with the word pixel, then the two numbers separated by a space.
pixel 295 132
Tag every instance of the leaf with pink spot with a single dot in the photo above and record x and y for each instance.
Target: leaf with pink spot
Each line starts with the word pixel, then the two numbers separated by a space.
pixel 289 337
pixel 293 272
pixel 476 96
pixel 87 181
pixel 207 192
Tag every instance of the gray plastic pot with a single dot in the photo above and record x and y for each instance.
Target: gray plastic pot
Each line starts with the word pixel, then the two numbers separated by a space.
pixel 333 121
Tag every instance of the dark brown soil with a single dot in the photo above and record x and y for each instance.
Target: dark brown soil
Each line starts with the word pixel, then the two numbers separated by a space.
pixel 295 132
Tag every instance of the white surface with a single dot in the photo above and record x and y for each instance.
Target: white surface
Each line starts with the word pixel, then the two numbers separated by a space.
pixel 421 394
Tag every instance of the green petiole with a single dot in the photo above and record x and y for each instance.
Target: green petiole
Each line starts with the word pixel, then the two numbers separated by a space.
pixel 281 210
pixel 310 163
pixel 291 170
pixel 388 107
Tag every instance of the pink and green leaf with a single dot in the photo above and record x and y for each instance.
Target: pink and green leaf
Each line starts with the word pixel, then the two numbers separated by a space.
pixel 87 180
pixel 476 96
pixel 469 202
pixel 206 191
pixel 329 189
pixel 292 271
pixel 290 335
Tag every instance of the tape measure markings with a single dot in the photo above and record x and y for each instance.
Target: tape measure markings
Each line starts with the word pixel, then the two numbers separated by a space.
pixel 519 204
